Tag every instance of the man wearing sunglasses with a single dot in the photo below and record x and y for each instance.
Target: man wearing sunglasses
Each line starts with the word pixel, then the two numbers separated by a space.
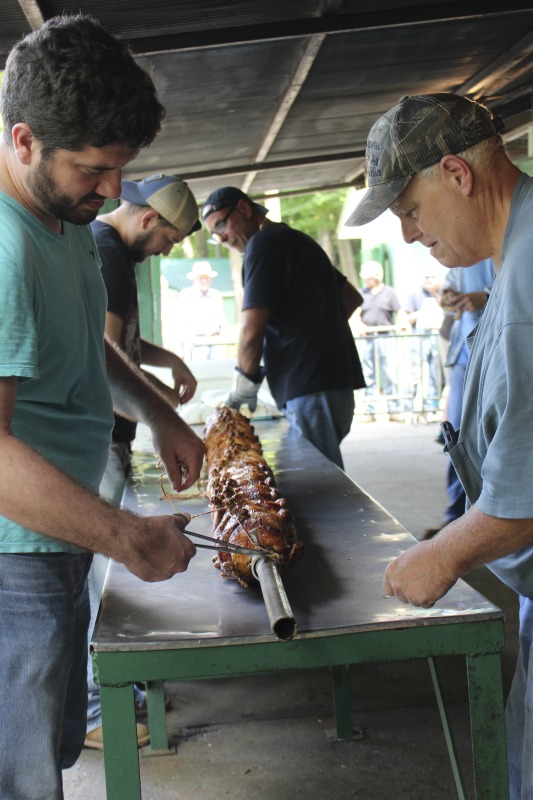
pixel 294 322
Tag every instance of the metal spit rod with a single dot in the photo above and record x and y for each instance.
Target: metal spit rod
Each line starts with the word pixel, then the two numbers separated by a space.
pixel 279 612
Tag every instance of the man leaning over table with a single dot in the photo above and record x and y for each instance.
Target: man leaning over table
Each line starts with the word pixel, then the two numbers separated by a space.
pixel 439 163
pixel 154 214
pixel 76 108
pixel 295 317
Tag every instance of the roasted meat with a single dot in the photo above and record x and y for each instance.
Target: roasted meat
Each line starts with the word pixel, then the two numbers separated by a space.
pixel 247 508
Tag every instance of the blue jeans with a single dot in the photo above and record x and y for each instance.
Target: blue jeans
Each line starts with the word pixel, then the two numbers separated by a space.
pixel 379 361
pixel 518 713
pixel 43 655
pixel 424 357
pixel 324 418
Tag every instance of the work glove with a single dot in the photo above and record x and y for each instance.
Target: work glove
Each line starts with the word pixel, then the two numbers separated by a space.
pixel 244 389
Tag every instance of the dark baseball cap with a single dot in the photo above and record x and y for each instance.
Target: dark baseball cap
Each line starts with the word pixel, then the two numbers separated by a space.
pixel 413 135
pixel 227 196
pixel 169 196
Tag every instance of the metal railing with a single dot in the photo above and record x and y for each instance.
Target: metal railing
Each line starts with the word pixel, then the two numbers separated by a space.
pixel 403 370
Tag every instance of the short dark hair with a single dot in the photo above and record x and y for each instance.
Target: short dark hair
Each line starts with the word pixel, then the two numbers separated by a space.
pixel 75 84
pixel 131 209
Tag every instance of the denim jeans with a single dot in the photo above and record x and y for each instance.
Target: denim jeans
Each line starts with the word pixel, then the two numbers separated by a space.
pixel 519 712
pixel 324 418
pixel 424 359
pixel 43 655
pixel 379 360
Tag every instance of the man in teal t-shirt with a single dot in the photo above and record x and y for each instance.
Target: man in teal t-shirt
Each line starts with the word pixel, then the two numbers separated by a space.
pixel 68 132
pixel 51 339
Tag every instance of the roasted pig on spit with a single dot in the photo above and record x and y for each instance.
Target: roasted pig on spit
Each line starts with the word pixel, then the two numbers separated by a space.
pixel 247 508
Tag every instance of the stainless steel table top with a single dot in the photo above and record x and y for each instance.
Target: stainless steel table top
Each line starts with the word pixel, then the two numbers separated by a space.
pixel 336 586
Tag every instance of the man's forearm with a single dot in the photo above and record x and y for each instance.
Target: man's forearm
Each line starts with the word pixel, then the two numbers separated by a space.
pixel 155 356
pixel 477 538
pixel 249 356
pixel 53 504
pixel 179 448
pixel 133 394
pixel 251 337
pixel 167 392
pixel 425 572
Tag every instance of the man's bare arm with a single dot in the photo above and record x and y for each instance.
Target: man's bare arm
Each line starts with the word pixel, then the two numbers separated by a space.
pixel 251 336
pixel 178 446
pixel 155 356
pixel 34 493
pixel 425 572
pixel 184 381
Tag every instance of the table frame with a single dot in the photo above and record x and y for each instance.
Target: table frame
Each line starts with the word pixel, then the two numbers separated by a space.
pixel 477 634
pixel 480 643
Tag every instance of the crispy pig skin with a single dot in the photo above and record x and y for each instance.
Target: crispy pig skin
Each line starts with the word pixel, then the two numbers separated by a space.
pixel 247 508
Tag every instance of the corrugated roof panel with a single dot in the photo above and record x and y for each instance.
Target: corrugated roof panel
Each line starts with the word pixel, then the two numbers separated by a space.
pixel 14 25
pixel 133 18
pixel 219 102
pixel 226 100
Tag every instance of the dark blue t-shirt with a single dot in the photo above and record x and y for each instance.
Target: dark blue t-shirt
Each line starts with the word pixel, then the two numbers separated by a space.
pixel 379 309
pixel 118 272
pixel 308 346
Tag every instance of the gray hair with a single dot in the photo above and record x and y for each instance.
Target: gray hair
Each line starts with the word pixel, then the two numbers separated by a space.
pixel 479 156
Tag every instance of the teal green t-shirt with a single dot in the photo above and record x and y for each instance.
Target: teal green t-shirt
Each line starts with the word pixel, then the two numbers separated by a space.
pixel 51 337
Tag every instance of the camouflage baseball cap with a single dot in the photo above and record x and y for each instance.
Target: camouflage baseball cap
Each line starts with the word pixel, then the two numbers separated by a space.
pixel 413 135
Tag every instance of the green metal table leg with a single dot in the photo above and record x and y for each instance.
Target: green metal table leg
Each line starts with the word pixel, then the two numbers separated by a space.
pixel 448 734
pixel 342 703
pixel 488 729
pixel 157 721
pixel 123 781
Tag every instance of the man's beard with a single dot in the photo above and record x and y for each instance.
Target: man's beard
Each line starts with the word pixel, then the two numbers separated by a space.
pixel 55 203
pixel 139 249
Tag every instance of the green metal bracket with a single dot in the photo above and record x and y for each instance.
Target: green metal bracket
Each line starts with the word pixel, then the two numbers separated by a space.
pixel 448 733
pixel 157 722
pixel 342 701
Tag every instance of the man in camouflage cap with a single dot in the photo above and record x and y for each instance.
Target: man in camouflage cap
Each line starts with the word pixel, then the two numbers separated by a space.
pixel 439 164
pixel 412 136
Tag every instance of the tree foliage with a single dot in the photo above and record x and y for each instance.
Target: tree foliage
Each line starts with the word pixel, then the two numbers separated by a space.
pixel 313 213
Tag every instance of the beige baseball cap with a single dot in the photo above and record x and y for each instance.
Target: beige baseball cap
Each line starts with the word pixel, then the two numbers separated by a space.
pixel 169 196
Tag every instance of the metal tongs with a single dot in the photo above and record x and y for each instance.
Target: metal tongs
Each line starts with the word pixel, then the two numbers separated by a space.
pixel 226 547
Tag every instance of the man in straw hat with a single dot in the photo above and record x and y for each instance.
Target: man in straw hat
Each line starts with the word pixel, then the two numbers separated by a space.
pixel 439 164
pixel 200 312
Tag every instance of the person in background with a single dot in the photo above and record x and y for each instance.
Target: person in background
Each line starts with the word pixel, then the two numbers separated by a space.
pixel 439 163
pixel 295 315
pixel 379 316
pixel 76 109
pixel 425 315
pixel 200 313
pixel 154 214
